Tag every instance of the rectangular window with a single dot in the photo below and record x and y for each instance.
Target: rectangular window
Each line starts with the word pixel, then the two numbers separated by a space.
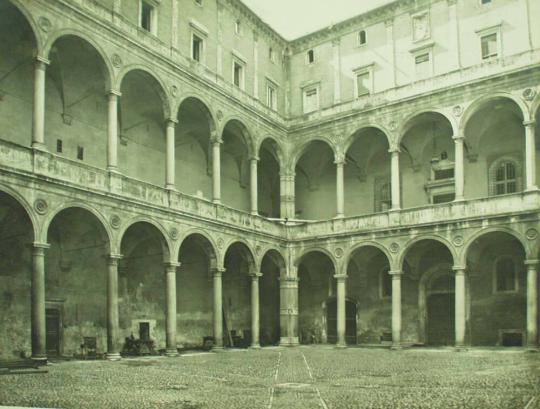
pixel 271 54
pixel 271 96
pixel 310 57
pixel 485 1
pixel 238 75
pixel 146 16
pixel 59 146
pixel 80 153
pixel 237 27
pixel 444 198
pixel 196 48
pixel 362 39
pixel 311 100
pixel 444 174
pixel 489 46
pixel 423 64
pixel 363 83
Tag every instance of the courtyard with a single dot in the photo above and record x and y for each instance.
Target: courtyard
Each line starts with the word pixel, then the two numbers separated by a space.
pixel 293 378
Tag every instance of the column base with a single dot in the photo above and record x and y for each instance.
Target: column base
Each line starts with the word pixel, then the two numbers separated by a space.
pixel 339 216
pixel 396 347
pixel 254 213
pixel 170 187
pixel 39 146
pixel 216 201
pixel 39 358
pixel 459 199
pixel 289 342
pixel 113 356
pixel 460 348
pixel 341 346
pixel 171 352
pixel 217 349
pixel 531 189
pixel 113 169
pixel 255 346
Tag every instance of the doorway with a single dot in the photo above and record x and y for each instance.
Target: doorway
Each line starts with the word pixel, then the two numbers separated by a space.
pixel 53 323
pixel 440 319
pixel 350 321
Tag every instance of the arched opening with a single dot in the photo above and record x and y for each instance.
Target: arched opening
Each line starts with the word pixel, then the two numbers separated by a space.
pixel 495 149
pixel 427 161
pixel 316 287
pixel 76 284
pixel 367 173
pixel 498 290
pixel 193 149
pixel 315 182
pixel 194 291
pixel 16 234
pixel 76 111
pixel 17 56
pixel 268 181
pixel 369 285
pixel 142 128
pixel 239 265
pixel 428 311
pixel 272 268
pixel 142 289
pixel 235 166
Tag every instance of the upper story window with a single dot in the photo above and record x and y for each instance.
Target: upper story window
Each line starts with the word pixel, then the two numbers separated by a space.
pixel 504 176
pixel 199 34
pixel 311 99
pixel 485 1
pixel 362 38
pixel 238 74
pixel 271 95
pixel 197 47
pixel 383 194
pixel 148 16
pixel 238 27
pixel 310 57
pixel 505 275
pixel 363 81
pixel 271 54
pixel 422 63
pixel 489 46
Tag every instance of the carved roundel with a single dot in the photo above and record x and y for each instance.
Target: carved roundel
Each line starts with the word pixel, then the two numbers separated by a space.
pixel 116 61
pixel 174 233
pixel 174 91
pixel 457 110
pixel 532 234
pixel 219 115
pixel 529 94
pixel 45 24
pixel 339 252
pixel 394 247
pixel 41 206
pixel 220 243
pixel 258 250
pixel 392 125
pixel 115 221
pixel 458 241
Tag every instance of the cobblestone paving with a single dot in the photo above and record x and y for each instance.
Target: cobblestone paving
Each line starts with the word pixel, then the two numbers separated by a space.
pixel 304 377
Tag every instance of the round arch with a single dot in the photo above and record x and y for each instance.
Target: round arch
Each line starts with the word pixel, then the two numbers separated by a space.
pixel 158 85
pixel 322 250
pixel 204 103
pixel 352 138
pixel 408 122
pixel 478 103
pixel 279 148
pixel 247 250
pixel 21 201
pixel 299 152
pixel 207 242
pixel 350 253
pixel 78 205
pixel 71 32
pixel 246 134
pixel 409 245
pixel 277 257
pixel 489 230
pixel 38 38
pixel 163 236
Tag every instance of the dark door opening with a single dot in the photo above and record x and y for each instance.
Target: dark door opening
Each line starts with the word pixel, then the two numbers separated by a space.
pixel 52 325
pixel 350 321
pixel 144 331
pixel 440 319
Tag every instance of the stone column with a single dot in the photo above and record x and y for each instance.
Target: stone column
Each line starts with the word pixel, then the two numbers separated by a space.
pixel 532 304
pixel 530 156
pixel 255 311
pixel 287 195
pixel 460 306
pixel 340 188
pixel 288 287
pixel 170 162
pixel 395 179
pixel 341 318
pixel 170 269
pixel 253 185
pixel 39 351
pixel 396 309
pixel 216 171
pixel 218 308
pixel 38 117
pixel 113 326
pixel 459 173
pixel 112 131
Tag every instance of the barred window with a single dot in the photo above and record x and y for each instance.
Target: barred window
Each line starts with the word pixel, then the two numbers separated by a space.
pixel 505 176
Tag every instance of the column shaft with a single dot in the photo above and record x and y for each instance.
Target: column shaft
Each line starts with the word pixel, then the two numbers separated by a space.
pixel 255 311
pixel 341 303
pixel 171 349
pixel 216 171
pixel 395 182
pixel 460 306
pixel 113 327
pixel 218 309
pixel 112 131
pixel 532 304
pixel 340 189
pixel 459 174
pixel 253 162
pixel 39 350
pixel 396 309
pixel 170 165
pixel 288 311
pixel 38 129
pixel 530 156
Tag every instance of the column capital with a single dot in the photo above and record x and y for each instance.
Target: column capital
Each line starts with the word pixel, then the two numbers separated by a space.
pixel 340 161
pixel 255 276
pixel 254 158
pixel 531 262
pixel 171 267
pixel 39 245
pixel 217 142
pixel 171 121
pixel 394 149
pixel 113 93
pixel 530 123
pixel 458 138
pixel 341 277
pixel 42 60
pixel 217 271
pixel 459 269
pixel 396 273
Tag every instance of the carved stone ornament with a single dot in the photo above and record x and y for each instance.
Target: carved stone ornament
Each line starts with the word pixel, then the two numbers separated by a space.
pixel 529 94
pixel 174 233
pixel 174 91
pixel 116 61
pixel 392 125
pixel 339 252
pixel 421 27
pixel 45 24
pixel 258 250
pixel 394 247
pixel 531 234
pixel 457 110
pixel 458 241
pixel 220 243
pixel 41 206
pixel 115 221
pixel 219 115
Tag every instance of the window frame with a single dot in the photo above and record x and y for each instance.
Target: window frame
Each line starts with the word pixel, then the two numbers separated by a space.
pixel 242 64
pixel 153 4
pixel 305 90
pixel 425 49
pixel 312 53
pixel 199 31
pixel 415 17
pixel 365 69
pixel 238 27
pixel 495 275
pixel 271 102
pixel 492 175
pixel 359 42
pixel 486 32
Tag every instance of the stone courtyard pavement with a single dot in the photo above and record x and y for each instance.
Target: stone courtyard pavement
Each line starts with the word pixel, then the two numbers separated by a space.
pixel 297 378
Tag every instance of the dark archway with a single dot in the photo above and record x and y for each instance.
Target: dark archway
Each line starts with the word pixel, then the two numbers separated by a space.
pixel 272 268
pixel 268 179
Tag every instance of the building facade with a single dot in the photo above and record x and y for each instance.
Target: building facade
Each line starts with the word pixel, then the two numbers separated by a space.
pixel 175 169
